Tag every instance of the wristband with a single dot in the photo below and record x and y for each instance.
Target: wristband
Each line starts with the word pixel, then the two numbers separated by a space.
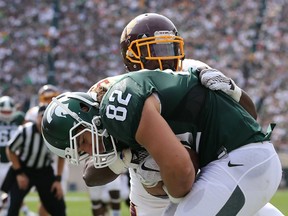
pixel 58 178
pixel 18 171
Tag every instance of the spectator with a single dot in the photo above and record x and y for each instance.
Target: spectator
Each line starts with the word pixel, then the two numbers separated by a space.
pixel 88 38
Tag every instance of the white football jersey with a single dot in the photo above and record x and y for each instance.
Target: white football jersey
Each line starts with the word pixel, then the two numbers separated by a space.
pixel 31 114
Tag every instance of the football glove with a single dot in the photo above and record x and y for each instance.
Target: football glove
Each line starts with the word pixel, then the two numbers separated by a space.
pixel 215 80
pixel 123 162
pixel 148 172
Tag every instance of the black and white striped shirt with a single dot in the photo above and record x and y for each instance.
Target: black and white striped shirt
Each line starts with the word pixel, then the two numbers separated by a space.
pixel 30 147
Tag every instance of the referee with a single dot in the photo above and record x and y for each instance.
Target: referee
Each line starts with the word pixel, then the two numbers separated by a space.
pixel 31 162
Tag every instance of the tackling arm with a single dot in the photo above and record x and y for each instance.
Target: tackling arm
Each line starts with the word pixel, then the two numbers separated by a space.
pixel 215 80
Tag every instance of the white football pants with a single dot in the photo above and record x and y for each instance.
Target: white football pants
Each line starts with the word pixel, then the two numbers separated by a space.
pixel 240 184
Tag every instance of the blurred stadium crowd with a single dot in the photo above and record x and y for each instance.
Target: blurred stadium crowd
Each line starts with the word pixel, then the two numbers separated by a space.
pixel 247 40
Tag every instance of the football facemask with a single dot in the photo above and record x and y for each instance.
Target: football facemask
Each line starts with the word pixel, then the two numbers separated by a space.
pixel 162 49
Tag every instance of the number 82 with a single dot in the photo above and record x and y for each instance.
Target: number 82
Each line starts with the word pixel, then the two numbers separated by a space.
pixel 120 112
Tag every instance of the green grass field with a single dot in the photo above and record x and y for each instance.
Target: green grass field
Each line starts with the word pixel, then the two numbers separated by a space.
pixel 78 203
pixel 280 200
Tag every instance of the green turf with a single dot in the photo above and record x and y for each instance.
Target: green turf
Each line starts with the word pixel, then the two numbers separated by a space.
pixel 78 203
pixel 280 200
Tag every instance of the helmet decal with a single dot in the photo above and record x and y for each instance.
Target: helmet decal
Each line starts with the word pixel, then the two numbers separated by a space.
pixel 128 30
pixel 58 111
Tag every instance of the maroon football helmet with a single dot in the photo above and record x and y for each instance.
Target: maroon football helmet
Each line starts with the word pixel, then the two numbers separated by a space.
pixel 151 41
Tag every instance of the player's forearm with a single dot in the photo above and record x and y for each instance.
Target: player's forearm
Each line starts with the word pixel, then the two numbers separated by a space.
pixel 179 178
pixel 155 135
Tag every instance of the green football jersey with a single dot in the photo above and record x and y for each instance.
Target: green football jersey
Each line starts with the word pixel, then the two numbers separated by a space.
pixel 7 129
pixel 208 121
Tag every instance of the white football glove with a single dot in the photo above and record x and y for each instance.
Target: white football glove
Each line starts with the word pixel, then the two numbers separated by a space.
pixel 123 162
pixel 148 172
pixel 215 80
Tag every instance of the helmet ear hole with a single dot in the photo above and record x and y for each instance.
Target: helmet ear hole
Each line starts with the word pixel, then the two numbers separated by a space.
pixel 84 107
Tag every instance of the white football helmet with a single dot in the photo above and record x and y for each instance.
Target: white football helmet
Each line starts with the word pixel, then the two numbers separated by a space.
pixel 7 108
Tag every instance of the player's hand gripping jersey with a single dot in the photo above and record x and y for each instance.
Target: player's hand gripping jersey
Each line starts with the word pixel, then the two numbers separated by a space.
pixel 194 113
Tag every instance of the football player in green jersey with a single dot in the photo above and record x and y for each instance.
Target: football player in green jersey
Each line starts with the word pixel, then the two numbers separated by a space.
pixel 141 49
pixel 163 112
pixel 116 111
pixel 10 119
